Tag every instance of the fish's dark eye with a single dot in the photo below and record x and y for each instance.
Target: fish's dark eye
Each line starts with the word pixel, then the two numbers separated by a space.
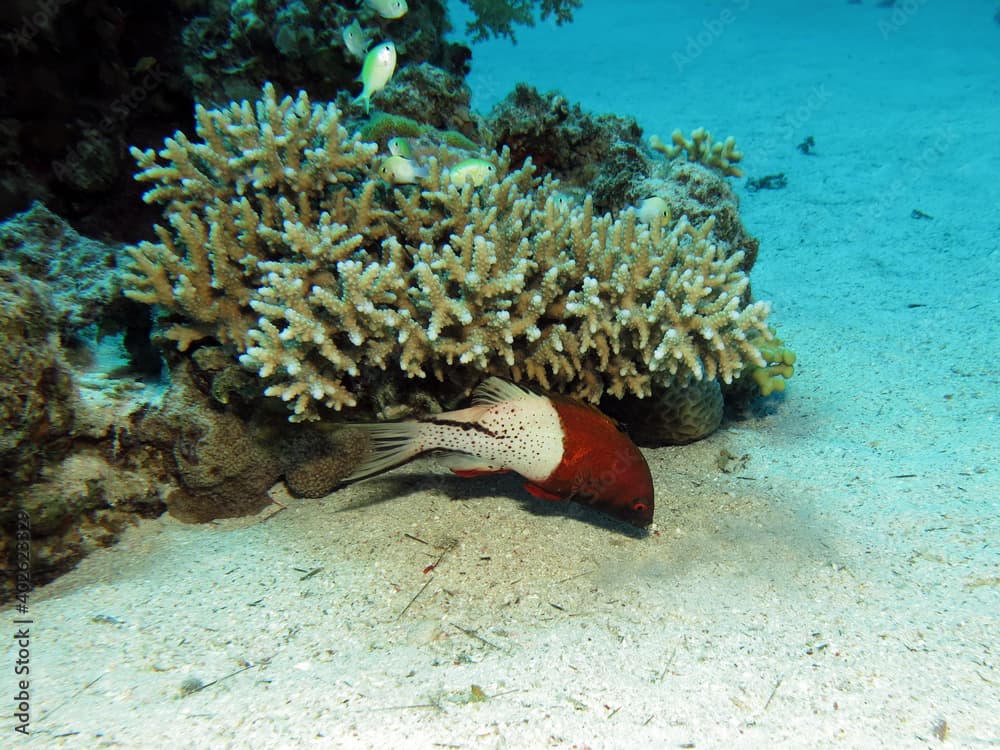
pixel 639 506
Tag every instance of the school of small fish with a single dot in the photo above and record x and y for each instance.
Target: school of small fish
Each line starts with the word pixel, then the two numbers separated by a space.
pixel 380 62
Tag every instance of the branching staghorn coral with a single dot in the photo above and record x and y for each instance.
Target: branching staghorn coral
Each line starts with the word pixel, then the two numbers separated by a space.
pixel 702 148
pixel 283 245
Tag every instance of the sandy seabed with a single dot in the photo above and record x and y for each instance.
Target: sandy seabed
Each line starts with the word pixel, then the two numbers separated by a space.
pixel 825 573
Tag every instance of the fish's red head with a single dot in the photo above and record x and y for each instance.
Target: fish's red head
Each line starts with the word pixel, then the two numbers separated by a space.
pixel 623 490
pixel 604 467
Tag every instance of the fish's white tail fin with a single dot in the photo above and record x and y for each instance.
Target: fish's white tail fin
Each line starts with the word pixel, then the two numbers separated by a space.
pixel 390 444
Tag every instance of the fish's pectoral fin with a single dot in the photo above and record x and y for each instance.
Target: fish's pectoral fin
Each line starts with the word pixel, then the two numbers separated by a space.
pixel 467 465
pixel 541 492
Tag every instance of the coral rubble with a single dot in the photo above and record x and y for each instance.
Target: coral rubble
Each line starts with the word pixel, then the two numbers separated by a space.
pixel 282 244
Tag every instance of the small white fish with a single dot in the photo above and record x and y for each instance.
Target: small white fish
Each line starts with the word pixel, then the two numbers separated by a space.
pixel 399 170
pixel 400 146
pixel 653 210
pixel 379 65
pixel 356 39
pixel 474 170
pixel 388 8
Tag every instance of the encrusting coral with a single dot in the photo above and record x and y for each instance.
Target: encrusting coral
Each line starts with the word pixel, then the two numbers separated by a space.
pixel 687 411
pixel 283 245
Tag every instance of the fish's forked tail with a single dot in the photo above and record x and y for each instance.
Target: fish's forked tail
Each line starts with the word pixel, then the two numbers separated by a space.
pixel 390 444
pixel 365 98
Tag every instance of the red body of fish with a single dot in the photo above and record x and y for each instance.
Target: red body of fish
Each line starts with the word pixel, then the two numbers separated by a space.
pixel 565 449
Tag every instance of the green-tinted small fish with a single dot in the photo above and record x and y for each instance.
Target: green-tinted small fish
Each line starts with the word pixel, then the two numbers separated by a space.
pixel 388 8
pixel 399 170
pixel 380 62
pixel 400 146
pixel 356 39
pixel 653 209
pixel 472 170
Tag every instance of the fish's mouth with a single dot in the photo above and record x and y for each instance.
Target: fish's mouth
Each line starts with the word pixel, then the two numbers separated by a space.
pixel 641 521
pixel 637 512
